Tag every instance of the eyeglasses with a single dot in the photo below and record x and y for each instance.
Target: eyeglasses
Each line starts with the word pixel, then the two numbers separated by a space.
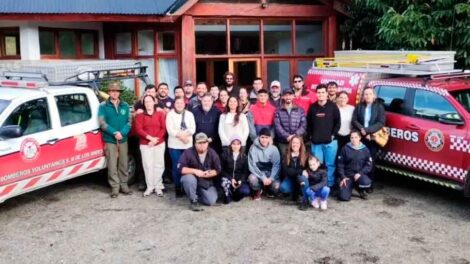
pixel 297 81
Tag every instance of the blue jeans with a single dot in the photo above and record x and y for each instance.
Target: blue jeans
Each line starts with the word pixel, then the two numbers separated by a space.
pixel 287 185
pixel 175 155
pixel 311 195
pixel 326 153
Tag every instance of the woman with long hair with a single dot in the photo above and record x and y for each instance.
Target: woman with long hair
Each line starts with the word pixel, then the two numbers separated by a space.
pixel 232 122
pixel 222 102
pixel 234 171
pixel 293 164
pixel 244 102
pixel 346 112
pixel 151 129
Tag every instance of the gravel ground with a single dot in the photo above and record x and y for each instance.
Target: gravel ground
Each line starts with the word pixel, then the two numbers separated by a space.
pixel 404 221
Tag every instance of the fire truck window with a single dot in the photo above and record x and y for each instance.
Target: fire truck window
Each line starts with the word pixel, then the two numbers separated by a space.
pixel 32 117
pixel 73 108
pixel 393 98
pixel 463 97
pixel 430 105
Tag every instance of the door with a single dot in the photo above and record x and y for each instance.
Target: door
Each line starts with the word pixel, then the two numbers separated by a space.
pixel 435 144
pixel 245 70
pixel 211 71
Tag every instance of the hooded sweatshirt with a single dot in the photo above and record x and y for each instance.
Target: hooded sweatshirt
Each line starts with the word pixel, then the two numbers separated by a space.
pixel 264 162
pixel 352 160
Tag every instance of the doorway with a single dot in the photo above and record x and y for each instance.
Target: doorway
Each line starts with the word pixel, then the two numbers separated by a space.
pixel 245 70
pixel 211 71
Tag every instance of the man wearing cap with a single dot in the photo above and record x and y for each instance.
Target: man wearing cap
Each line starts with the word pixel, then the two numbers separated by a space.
pixel 264 163
pixel 303 98
pixel 201 90
pixel 115 120
pixel 275 94
pixel 188 91
pixel 229 86
pixel 199 165
pixel 261 115
pixel 289 121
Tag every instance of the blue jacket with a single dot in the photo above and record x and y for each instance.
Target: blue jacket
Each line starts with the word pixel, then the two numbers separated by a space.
pixel 207 122
pixel 353 160
pixel 286 124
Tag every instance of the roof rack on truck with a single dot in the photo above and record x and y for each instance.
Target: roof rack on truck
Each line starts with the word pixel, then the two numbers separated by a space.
pixel 413 63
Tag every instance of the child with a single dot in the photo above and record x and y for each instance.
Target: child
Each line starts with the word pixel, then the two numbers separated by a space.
pixel 317 190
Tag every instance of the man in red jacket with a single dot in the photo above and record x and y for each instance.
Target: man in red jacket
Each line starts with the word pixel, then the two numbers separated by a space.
pixel 303 98
pixel 261 115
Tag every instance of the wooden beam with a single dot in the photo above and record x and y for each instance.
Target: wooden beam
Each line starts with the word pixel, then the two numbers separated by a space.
pixel 256 10
pixel 332 35
pixel 188 49
pixel 184 7
pixel 340 7
pixel 88 18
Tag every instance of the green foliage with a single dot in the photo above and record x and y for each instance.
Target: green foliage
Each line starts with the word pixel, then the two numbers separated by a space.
pixel 127 95
pixel 411 25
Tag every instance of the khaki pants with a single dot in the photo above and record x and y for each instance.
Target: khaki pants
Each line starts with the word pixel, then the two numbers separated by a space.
pixel 153 162
pixel 116 158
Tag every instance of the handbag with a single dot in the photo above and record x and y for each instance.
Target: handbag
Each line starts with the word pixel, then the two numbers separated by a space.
pixel 381 137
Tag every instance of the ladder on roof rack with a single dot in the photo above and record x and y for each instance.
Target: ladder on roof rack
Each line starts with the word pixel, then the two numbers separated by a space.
pixel 392 62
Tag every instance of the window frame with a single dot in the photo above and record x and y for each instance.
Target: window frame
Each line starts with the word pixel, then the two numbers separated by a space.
pixel 78 40
pixel 414 112
pixel 63 124
pixel 4 32
pixel 48 115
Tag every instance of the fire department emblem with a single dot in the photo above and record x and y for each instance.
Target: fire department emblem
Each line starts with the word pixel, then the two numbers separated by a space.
pixel 29 149
pixel 434 140
pixel 81 142
pixel 168 104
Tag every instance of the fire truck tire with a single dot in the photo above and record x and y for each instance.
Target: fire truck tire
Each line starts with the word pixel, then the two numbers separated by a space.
pixel 132 168
pixel 466 188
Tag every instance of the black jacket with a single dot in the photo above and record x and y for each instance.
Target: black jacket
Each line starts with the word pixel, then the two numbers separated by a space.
pixel 377 117
pixel 323 122
pixel 234 169
pixel 293 170
pixel 316 179
pixel 353 160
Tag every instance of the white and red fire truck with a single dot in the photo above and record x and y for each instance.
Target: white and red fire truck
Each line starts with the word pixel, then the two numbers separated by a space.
pixel 427 106
pixel 49 131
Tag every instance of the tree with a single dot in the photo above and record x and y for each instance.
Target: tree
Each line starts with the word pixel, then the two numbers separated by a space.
pixel 411 25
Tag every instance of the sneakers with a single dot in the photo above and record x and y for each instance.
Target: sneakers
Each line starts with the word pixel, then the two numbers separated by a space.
pixel 257 195
pixel 125 190
pixel 114 194
pixel 323 205
pixel 148 192
pixel 142 187
pixel 159 193
pixel 315 203
pixel 303 206
pixel 195 206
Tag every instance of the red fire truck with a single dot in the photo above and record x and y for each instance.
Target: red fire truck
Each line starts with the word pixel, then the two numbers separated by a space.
pixel 427 107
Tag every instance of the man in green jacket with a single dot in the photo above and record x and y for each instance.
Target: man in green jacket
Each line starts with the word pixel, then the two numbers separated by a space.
pixel 115 122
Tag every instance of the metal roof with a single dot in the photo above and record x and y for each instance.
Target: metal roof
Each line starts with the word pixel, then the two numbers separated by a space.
pixel 111 7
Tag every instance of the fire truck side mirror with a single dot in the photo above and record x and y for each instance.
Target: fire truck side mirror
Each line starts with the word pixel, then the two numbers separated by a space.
pixel 451 119
pixel 11 131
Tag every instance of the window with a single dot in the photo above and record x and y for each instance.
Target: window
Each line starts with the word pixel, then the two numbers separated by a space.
pixel 429 105
pixel 463 97
pixel 68 43
pixel 166 42
pixel 9 43
pixel 32 117
pixel 73 108
pixel 303 67
pixel 3 104
pixel 124 43
pixel 244 37
pixel 393 98
pixel 309 37
pixel 145 41
pixel 168 71
pixel 277 37
pixel 216 32
pixel 279 70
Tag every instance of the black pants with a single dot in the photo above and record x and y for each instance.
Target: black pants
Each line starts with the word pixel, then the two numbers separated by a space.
pixel 342 141
pixel 363 183
pixel 373 148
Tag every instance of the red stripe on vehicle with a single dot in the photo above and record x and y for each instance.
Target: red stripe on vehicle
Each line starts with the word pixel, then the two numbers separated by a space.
pixel 75 169
pixel 93 164
pixel 8 189
pixel 32 182
pixel 55 175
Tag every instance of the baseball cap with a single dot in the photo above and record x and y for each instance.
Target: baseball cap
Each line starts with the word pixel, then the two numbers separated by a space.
pixel 287 91
pixel 188 82
pixel 202 138
pixel 275 83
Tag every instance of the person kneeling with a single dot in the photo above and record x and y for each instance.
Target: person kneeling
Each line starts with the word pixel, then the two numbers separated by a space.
pixel 234 171
pixel 354 166
pixel 264 162
pixel 316 192
pixel 199 166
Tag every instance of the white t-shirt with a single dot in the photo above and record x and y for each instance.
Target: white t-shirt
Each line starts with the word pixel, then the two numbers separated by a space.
pixel 346 113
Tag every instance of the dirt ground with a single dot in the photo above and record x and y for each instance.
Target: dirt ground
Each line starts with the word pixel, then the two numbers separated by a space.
pixel 404 221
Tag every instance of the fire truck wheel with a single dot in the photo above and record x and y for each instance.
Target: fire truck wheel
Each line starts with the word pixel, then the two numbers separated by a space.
pixel 132 169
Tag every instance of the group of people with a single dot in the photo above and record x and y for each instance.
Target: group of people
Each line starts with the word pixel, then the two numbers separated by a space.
pixel 228 143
